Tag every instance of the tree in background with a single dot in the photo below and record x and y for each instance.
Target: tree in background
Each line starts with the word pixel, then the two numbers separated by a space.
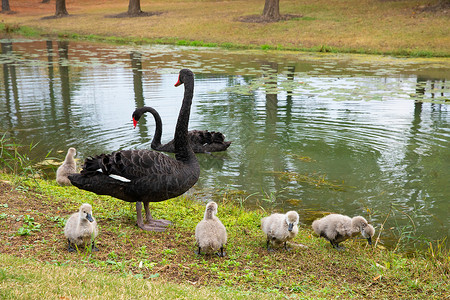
pixel 271 13
pixel 5 6
pixel 271 10
pixel 134 10
pixel 134 7
pixel 61 10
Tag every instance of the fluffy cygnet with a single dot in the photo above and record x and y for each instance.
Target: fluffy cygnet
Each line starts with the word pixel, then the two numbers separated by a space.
pixel 81 229
pixel 68 167
pixel 280 228
pixel 337 228
pixel 210 233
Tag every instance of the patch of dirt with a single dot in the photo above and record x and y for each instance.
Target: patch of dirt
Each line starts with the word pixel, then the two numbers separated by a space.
pixel 441 8
pixel 261 19
pixel 119 236
pixel 9 12
pixel 56 17
pixel 138 15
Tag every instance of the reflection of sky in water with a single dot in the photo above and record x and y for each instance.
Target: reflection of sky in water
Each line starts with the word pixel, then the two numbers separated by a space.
pixel 360 130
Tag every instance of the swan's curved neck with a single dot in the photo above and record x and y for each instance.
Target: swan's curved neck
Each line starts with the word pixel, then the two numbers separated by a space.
pixel 183 150
pixel 156 142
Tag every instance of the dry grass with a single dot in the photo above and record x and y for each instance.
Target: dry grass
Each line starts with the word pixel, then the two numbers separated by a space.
pixel 27 279
pixel 353 25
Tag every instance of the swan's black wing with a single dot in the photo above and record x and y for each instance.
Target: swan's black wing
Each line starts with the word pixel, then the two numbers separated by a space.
pixel 131 164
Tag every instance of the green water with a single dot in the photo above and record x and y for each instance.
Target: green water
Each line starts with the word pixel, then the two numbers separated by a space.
pixel 358 135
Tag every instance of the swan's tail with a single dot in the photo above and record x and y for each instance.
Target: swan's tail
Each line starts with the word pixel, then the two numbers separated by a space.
pixel 96 175
pixel 104 163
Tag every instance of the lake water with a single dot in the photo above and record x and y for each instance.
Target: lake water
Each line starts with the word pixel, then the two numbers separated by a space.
pixel 316 133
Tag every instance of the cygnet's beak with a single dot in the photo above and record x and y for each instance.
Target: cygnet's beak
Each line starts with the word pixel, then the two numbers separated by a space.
pixel 369 240
pixel 89 217
pixel 291 226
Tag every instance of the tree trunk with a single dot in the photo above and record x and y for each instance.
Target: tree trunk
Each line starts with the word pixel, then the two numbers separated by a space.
pixel 61 10
pixel 272 10
pixel 5 6
pixel 134 7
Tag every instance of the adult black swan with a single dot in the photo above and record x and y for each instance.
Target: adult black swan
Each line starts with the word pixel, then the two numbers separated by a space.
pixel 145 176
pixel 202 141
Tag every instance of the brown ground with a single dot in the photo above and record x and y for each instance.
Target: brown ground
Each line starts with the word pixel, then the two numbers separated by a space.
pixel 49 243
pixel 442 7
pixel 141 14
pixel 122 245
pixel 261 19
pixel 126 249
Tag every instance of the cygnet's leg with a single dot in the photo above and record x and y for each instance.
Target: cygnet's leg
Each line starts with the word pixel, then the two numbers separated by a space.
pixel 198 251
pixel 140 222
pixel 93 248
pixel 267 245
pixel 70 248
pixel 150 219
pixel 337 246
pixel 221 253
pixel 285 247
pixel 340 248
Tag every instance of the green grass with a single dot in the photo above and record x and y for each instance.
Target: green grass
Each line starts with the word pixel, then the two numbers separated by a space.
pixel 166 263
pixel 31 32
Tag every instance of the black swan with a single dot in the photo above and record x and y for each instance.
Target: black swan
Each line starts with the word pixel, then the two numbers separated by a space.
pixel 145 175
pixel 202 141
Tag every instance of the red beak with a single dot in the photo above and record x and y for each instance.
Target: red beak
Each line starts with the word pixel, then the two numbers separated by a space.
pixel 178 82
pixel 134 123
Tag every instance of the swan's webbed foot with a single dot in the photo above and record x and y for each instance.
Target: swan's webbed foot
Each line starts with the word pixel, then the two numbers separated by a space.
pixel 151 224
pixel 159 221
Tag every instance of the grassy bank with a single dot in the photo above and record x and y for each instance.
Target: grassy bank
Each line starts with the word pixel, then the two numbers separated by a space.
pixel 33 253
pixel 382 27
pixel 31 279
